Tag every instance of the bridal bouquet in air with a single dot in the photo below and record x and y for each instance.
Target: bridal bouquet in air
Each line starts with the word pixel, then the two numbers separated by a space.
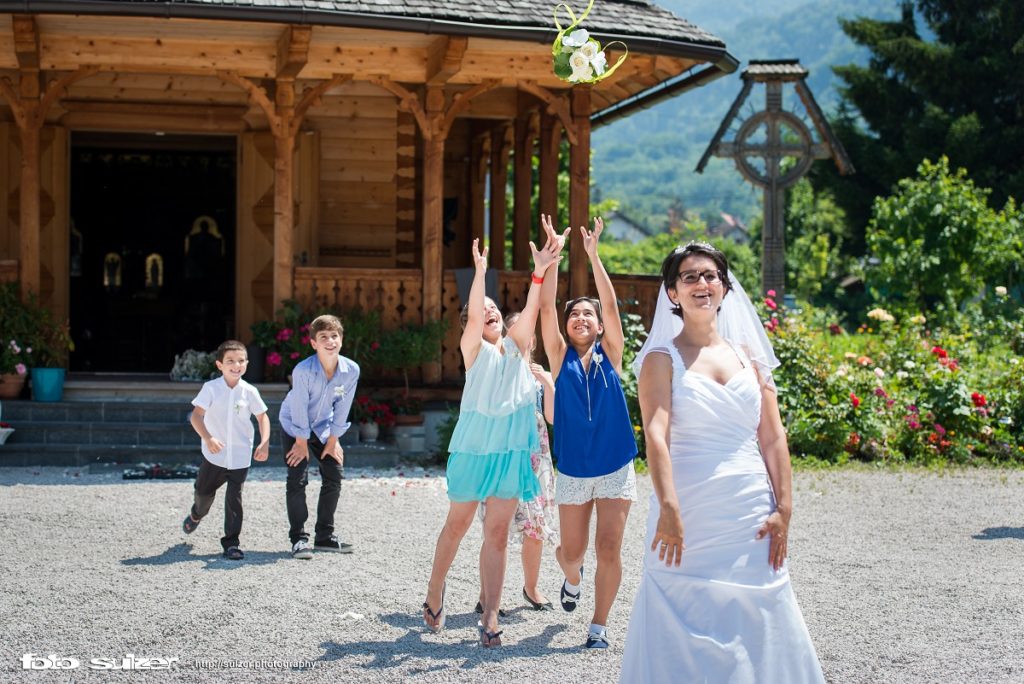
pixel 578 57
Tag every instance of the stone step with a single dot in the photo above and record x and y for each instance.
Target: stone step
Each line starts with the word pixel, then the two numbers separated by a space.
pixel 113 434
pixel 111 456
pixel 151 412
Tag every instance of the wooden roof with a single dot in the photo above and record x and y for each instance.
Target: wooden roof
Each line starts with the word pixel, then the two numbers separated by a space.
pixel 648 27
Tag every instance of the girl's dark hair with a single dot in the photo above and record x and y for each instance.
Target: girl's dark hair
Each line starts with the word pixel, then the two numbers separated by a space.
pixel 594 302
pixel 670 266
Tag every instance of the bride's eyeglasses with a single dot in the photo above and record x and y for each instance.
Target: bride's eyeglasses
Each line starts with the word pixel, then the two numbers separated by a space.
pixel 693 277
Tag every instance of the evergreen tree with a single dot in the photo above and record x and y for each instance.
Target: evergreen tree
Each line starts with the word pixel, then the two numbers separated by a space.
pixel 958 94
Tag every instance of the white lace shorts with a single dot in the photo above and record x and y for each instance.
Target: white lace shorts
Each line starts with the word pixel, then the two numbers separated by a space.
pixel 576 491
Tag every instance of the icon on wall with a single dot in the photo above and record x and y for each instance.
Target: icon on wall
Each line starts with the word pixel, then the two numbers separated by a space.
pixel 112 272
pixel 154 271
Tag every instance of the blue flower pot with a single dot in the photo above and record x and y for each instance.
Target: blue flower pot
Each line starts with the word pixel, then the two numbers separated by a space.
pixel 47 384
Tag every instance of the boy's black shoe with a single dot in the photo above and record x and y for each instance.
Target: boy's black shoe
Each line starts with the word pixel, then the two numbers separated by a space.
pixel 234 553
pixel 189 525
pixel 332 544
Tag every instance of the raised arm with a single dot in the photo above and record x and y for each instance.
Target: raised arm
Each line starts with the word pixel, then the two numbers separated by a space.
pixel 613 339
pixel 522 331
pixel 771 437
pixel 474 332
pixel 551 334
pixel 655 395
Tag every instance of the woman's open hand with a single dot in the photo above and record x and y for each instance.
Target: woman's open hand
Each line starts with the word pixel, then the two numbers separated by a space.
pixel 777 525
pixel 590 237
pixel 479 258
pixel 668 537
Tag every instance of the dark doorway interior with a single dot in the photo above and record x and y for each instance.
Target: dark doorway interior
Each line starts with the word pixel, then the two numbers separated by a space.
pixel 152 248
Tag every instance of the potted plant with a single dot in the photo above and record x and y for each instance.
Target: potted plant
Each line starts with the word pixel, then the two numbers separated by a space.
pixel 263 336
pixel 406 348
pixel 372 416
pixel 51 346
pixel 17 321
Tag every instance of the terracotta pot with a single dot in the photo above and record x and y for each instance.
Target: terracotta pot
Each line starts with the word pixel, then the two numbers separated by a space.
pixel 11 385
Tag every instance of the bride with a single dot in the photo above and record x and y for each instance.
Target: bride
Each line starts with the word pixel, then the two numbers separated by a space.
pixel 715 603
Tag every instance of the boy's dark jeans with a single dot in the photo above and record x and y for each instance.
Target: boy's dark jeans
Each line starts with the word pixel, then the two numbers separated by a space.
pixel 208 481
pixel 295 491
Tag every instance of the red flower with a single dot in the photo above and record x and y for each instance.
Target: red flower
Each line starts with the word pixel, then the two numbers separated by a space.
pixel 770 303
pixel 273 359
pixel 305 340
pixel 374 346
pixel 879 392
pixel 770 293
pixel 854 399
pixel 293 355
pixel 835 329
pixel 939 352
pixel 284 334
pixel 978 399
pixel 940 430
pixel 852 442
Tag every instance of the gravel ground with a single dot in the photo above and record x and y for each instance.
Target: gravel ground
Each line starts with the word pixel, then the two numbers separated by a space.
pixel 901 576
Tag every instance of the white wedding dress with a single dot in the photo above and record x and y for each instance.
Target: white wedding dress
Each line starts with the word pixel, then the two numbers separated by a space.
pixel 723 615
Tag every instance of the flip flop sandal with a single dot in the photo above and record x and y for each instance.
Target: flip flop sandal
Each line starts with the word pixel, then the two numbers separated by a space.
pixel 439 617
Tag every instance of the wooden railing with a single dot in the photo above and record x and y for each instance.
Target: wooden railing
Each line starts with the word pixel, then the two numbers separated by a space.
pixel 8 270
pixel 397 294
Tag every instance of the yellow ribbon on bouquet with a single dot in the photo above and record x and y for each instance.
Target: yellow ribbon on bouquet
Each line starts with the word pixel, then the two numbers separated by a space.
pixel 561 54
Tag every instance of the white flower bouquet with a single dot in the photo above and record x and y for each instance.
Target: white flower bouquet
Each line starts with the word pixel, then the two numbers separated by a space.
pixel 578 57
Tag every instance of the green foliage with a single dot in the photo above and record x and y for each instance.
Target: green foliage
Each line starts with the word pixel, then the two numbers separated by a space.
pixel 900 389
pixel 30 326
pixel 951 87
pixel 194 365
pixel 411 346
pixel 634 335
pixel 445 430
pixel 645 256
pixel 929 239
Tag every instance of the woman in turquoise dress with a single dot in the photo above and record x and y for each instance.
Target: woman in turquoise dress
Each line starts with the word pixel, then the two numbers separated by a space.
pixel 493 440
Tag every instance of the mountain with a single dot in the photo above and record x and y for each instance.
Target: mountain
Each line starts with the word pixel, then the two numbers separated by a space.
pixel 647 160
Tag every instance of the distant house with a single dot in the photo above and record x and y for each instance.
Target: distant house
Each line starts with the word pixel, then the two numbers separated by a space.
pixel 730 228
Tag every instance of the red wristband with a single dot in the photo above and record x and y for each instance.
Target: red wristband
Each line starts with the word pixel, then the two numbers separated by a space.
pixel 535 279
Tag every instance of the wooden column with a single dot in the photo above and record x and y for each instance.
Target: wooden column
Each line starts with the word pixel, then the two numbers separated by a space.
pixel 523 194
pixel 579 190
pixel 28 214
pixel 480 160
pixel 500 149
pixel 433 217
pixel 284 192
pixel 550 141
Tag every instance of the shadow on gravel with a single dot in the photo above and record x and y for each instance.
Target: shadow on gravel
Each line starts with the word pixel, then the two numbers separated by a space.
pixel 1001 533
pixel 395 653
pixel 182 553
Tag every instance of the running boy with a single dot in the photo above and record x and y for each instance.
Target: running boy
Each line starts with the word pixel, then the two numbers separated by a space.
pixel 222 419
pixel 313 416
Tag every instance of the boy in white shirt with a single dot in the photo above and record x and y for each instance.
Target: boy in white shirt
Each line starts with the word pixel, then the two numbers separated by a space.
pixel 222 418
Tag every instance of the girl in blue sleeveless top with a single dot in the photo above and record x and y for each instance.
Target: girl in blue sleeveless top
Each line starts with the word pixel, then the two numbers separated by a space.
pixel 495 435
pixel 594 441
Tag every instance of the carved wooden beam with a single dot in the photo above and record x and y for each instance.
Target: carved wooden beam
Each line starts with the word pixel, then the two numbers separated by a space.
pixel 258 96
pixel 26 41
pixel 311 96
pixel 444 58
pixel 293 50
pixel 461 101
pixel 7 89
pixel 557 105
pixel 409 102
pixel 57 88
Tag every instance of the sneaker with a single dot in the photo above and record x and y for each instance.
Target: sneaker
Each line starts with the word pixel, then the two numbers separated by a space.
pixel 302 549
pixel 332 544
pixel 569 599
pixel 189 525
pixel 234 553
pixel 597 639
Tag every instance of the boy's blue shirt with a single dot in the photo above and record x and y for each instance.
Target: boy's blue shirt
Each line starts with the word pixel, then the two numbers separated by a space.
pixel 317 404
